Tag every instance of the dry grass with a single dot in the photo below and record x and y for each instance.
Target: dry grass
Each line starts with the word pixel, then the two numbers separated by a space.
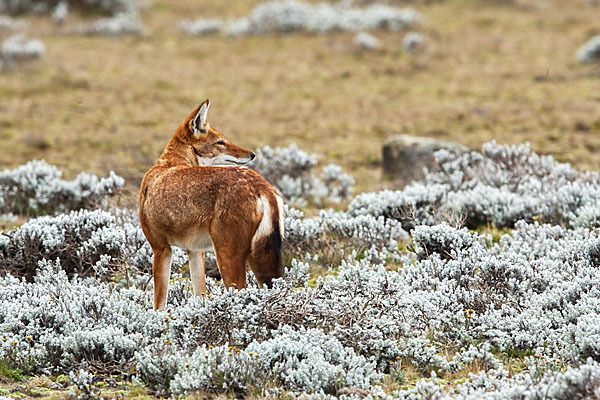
pixel 491 71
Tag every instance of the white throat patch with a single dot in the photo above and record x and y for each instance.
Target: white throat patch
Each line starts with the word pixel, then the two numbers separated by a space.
pixel 222 160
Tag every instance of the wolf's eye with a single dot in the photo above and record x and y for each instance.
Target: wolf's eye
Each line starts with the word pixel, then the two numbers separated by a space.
pixel 221 142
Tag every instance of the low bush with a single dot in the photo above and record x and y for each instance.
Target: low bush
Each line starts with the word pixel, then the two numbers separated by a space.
pixel 534 291
pixel 500 186
pixel 291 171
pixel 17 48
pixel 519 310
pixel 289 16
pixel 37 188
pixel 46 6
pixel 590 51
pixel 96 243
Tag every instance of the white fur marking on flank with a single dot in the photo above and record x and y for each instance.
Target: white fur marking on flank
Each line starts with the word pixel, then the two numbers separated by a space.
pixel 281 214
pixel 265 228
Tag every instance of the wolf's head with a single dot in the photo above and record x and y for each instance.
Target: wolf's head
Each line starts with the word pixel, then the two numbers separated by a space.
pixel 210 146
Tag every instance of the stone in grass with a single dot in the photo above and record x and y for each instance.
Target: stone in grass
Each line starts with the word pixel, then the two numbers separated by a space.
pixel 366 41
pixel 405 157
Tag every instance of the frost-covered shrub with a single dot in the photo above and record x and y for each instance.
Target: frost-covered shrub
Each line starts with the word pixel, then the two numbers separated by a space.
pixel 501 185
pixel 413 42
pixel 336 234
pixel 366 41
pixel 441 239
pixel 303 361
pixel 18 48
pixel 37 188
pixel 416 204
pixel 534 291
pixel 289 16
pixel 590 51
pixel 125 23
pixel 339 184
pixel 200 27
pixel 580 382
pixel 291 171
pixel 123 14
pixel 60 13
pixel 464 302
pixel 47 6
pixel 10 24
pixel 87 242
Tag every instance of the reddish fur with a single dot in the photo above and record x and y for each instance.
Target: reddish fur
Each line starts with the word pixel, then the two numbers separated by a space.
pixel 178 198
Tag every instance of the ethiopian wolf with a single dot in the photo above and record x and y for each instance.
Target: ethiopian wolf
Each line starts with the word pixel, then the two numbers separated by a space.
pixel 197 197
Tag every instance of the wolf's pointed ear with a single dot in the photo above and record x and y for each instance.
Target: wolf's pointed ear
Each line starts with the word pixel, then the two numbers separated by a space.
pixel 197 124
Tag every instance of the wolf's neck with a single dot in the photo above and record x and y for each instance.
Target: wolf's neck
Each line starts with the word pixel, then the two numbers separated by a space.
pixel 178 153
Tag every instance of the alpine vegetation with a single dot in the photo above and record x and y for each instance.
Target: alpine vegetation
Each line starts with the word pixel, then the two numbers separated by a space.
pixel 10 24
pixel 289 16
pixel 446 312
pixel 18 48
pixel 122 16
pixel 291 171
pixel 413 42
pixel 590 51
pixel 366 41
pixel 334 235
pixel 465 302
pixel 500 186
pixel 37 188
pixel 96 243
pixel 200 27
pixel 111 7
pixel 125 23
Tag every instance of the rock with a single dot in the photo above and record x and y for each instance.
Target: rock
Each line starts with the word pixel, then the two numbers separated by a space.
pixel 405 157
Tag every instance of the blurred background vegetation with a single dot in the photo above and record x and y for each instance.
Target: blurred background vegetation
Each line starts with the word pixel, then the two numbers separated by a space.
pixel 504 70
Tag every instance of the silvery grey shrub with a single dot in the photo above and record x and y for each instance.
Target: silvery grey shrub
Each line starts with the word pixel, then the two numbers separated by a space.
pixel 200 27
pixel 37 188
pixel 123 15
pixel 590 50
pixel 366 41
pixel 465 299
pixel 102 243
pixel 124 23
pixel 290 170
pixel 500 186
pixel 18 48
pixel 534 291
pixel 10 24
pixel 413 42
pixel 47 6
pixel 97 243
pixel 289 16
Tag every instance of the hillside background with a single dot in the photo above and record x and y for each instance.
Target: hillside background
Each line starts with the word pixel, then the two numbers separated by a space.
pixel 503 70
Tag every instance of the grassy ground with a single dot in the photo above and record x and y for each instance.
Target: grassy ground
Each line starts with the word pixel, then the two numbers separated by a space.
pixel 492 70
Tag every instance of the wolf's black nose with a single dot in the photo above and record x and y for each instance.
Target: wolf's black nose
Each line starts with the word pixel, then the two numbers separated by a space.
pixel 252 156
